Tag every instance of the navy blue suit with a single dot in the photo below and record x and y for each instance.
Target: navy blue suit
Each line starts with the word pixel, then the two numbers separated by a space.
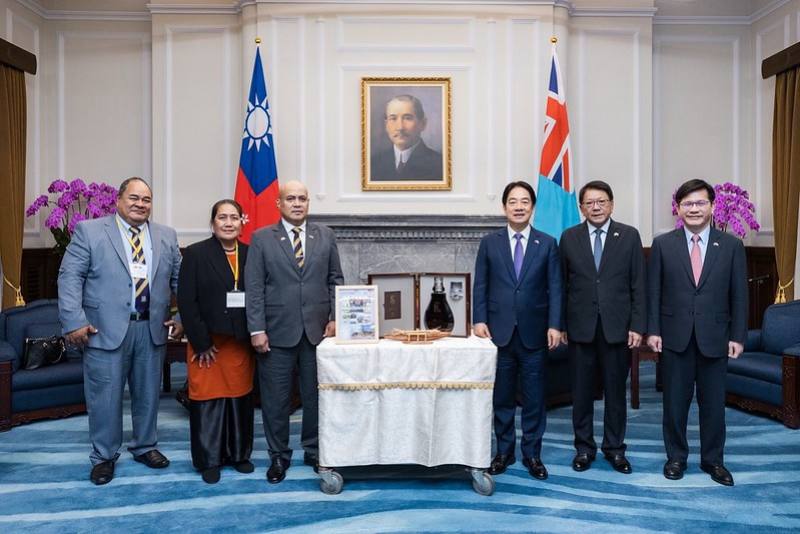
pixel 518 313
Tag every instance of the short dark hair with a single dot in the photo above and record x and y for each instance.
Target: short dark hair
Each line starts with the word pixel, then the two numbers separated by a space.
pixel 124 185
pixel 418 111
pixel 687 188
pixel 600 185
pixel 519 183
pixel 219 203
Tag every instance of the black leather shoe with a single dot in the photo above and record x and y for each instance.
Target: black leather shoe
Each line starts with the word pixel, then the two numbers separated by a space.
pixel 718 473
pixel 102 473
pixel 674 469
pixel 152 459
pixel 277 470
pixel 210 475
pixel 582 461
pixel 500 463
pixel 535 467
pixel 619 463
pixel 245 466
pixel 311 460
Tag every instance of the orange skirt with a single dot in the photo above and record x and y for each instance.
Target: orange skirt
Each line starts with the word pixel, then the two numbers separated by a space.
pixel 230 376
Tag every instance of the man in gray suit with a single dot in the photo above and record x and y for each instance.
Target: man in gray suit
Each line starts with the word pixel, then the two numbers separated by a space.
pixel 114 289
pixel 291 274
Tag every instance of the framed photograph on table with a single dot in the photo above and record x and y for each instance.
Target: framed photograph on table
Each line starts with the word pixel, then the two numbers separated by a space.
pixel 356 314
pixel 405 134
pixel 397 299
pixel 457 290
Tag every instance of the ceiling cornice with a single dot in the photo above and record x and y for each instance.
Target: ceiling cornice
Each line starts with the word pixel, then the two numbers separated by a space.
pixel 722 20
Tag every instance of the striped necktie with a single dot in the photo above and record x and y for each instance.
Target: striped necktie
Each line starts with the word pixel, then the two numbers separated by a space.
pixel 142 287
pixel 297 245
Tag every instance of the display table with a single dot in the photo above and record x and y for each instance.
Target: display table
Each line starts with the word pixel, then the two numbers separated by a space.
pixel 392 403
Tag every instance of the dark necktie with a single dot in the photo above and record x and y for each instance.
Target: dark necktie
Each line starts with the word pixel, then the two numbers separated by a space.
pixel 400 166
pixel 297 245
pixel 142 287
pixel 519 254
pixel 598 248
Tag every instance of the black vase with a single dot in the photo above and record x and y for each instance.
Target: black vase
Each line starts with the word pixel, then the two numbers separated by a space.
pixel 438 313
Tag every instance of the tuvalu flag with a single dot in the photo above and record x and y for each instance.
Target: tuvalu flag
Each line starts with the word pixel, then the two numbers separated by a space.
pixel 556 204
pixel 257 180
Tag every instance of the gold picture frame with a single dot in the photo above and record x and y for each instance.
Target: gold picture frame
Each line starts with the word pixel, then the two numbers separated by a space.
pixel 406 134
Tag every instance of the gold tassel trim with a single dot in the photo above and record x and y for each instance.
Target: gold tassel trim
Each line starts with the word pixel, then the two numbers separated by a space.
pixel 406 385
pixel 19 300
pixel 780 296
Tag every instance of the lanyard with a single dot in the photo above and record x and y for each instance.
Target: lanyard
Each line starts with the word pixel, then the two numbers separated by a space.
pixel 128 237
pixel 235 267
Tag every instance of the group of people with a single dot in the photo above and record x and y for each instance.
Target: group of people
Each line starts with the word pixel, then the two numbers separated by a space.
pixel 594 292
pixel 262 310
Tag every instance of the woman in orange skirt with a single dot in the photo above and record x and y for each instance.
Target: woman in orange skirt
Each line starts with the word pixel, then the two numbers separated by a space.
pixel 219 357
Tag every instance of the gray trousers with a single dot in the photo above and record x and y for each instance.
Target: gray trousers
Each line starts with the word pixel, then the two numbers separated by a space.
pixel 138 362
pixel 275 382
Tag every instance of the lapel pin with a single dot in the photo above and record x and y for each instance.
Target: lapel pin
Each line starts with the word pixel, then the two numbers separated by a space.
pixel 716 244
pixel 283 239
pixel 616 234
pixel 536 241
pixel 311 236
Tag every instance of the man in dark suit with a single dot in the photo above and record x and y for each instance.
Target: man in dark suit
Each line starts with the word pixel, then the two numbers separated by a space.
pixel 114 289
pixel 697 319
pixel 409 158
pixel 291 274
pixel 517 303
pixel 604 302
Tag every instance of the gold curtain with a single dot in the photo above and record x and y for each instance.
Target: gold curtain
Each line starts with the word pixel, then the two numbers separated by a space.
pixel 786 178
pixel 12 178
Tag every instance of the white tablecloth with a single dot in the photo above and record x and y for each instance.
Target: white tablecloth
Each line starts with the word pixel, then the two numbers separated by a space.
pixel 392 403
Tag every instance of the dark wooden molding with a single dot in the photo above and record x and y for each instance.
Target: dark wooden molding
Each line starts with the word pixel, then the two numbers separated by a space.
pixel 16 57
pixel 786 59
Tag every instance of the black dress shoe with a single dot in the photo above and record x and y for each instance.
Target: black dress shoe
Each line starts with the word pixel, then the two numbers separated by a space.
pixel 102 473
pixel 718 473
pixel 500 463
pixel 277 470
pixel 674 469
pixel 535 467
pixel 619 463
pixel 311 460
pixel 210 475
pixel 152 459
pixel 582 461
pixel 245 466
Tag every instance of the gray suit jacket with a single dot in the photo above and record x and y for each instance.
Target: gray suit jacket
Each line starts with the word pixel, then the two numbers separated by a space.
pixel 94 283
pixel 283 299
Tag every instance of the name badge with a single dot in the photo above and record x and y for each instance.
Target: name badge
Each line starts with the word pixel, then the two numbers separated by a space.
pixel 235 299
pixel 138 270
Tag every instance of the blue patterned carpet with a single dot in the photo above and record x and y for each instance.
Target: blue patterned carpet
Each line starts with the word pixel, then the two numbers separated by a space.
pixel 44 487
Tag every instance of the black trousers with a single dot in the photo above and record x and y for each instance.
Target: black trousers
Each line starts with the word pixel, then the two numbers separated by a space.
pixel 612 361
pixel 682 371
pixel 221 431
pixel 275 380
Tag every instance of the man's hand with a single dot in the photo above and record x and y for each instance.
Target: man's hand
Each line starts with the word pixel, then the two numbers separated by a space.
pixel 207 357
pixel 734 349
pixel 80 337
pixel 176 328
pixel 634 339
pixel 564 337
pixel 330 329
pixel 553 338
pixel 260 342
pixel 481 330
pixel 654 342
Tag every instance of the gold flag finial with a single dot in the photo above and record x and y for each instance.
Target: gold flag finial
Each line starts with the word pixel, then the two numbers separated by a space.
pixel 554 39
pixel 258 40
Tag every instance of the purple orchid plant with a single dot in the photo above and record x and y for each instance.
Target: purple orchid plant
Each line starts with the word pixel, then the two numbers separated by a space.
pixel 732 209
pixel 74 202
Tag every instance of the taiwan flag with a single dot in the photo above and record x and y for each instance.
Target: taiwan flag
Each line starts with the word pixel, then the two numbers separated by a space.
pixel 556 205
pixel 257 180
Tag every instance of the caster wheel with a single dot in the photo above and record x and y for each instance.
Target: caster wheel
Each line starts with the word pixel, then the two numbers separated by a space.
pixel 482 482
pixel 330 482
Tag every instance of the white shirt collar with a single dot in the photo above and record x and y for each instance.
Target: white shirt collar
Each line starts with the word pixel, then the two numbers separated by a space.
pixel 604 228
pixel 403 155
pixel 526 232
pixel 289 226
pixel 704 233
pixel 127 226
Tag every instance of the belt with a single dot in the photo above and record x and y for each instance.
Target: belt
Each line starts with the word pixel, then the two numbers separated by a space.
pixel 143 316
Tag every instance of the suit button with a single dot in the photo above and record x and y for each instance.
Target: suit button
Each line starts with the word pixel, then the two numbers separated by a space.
pixel 598 280
pixel 127 304
pixel 129 284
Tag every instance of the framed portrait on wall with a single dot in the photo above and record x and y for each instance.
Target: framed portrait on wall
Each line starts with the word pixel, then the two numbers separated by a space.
pixel 405 134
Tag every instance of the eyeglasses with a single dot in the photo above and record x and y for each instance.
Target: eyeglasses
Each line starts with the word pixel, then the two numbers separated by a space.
pixel 688 204
pixel 602 203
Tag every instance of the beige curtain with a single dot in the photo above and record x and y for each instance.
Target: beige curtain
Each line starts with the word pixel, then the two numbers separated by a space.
pixel 12 178
pixel 786 178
